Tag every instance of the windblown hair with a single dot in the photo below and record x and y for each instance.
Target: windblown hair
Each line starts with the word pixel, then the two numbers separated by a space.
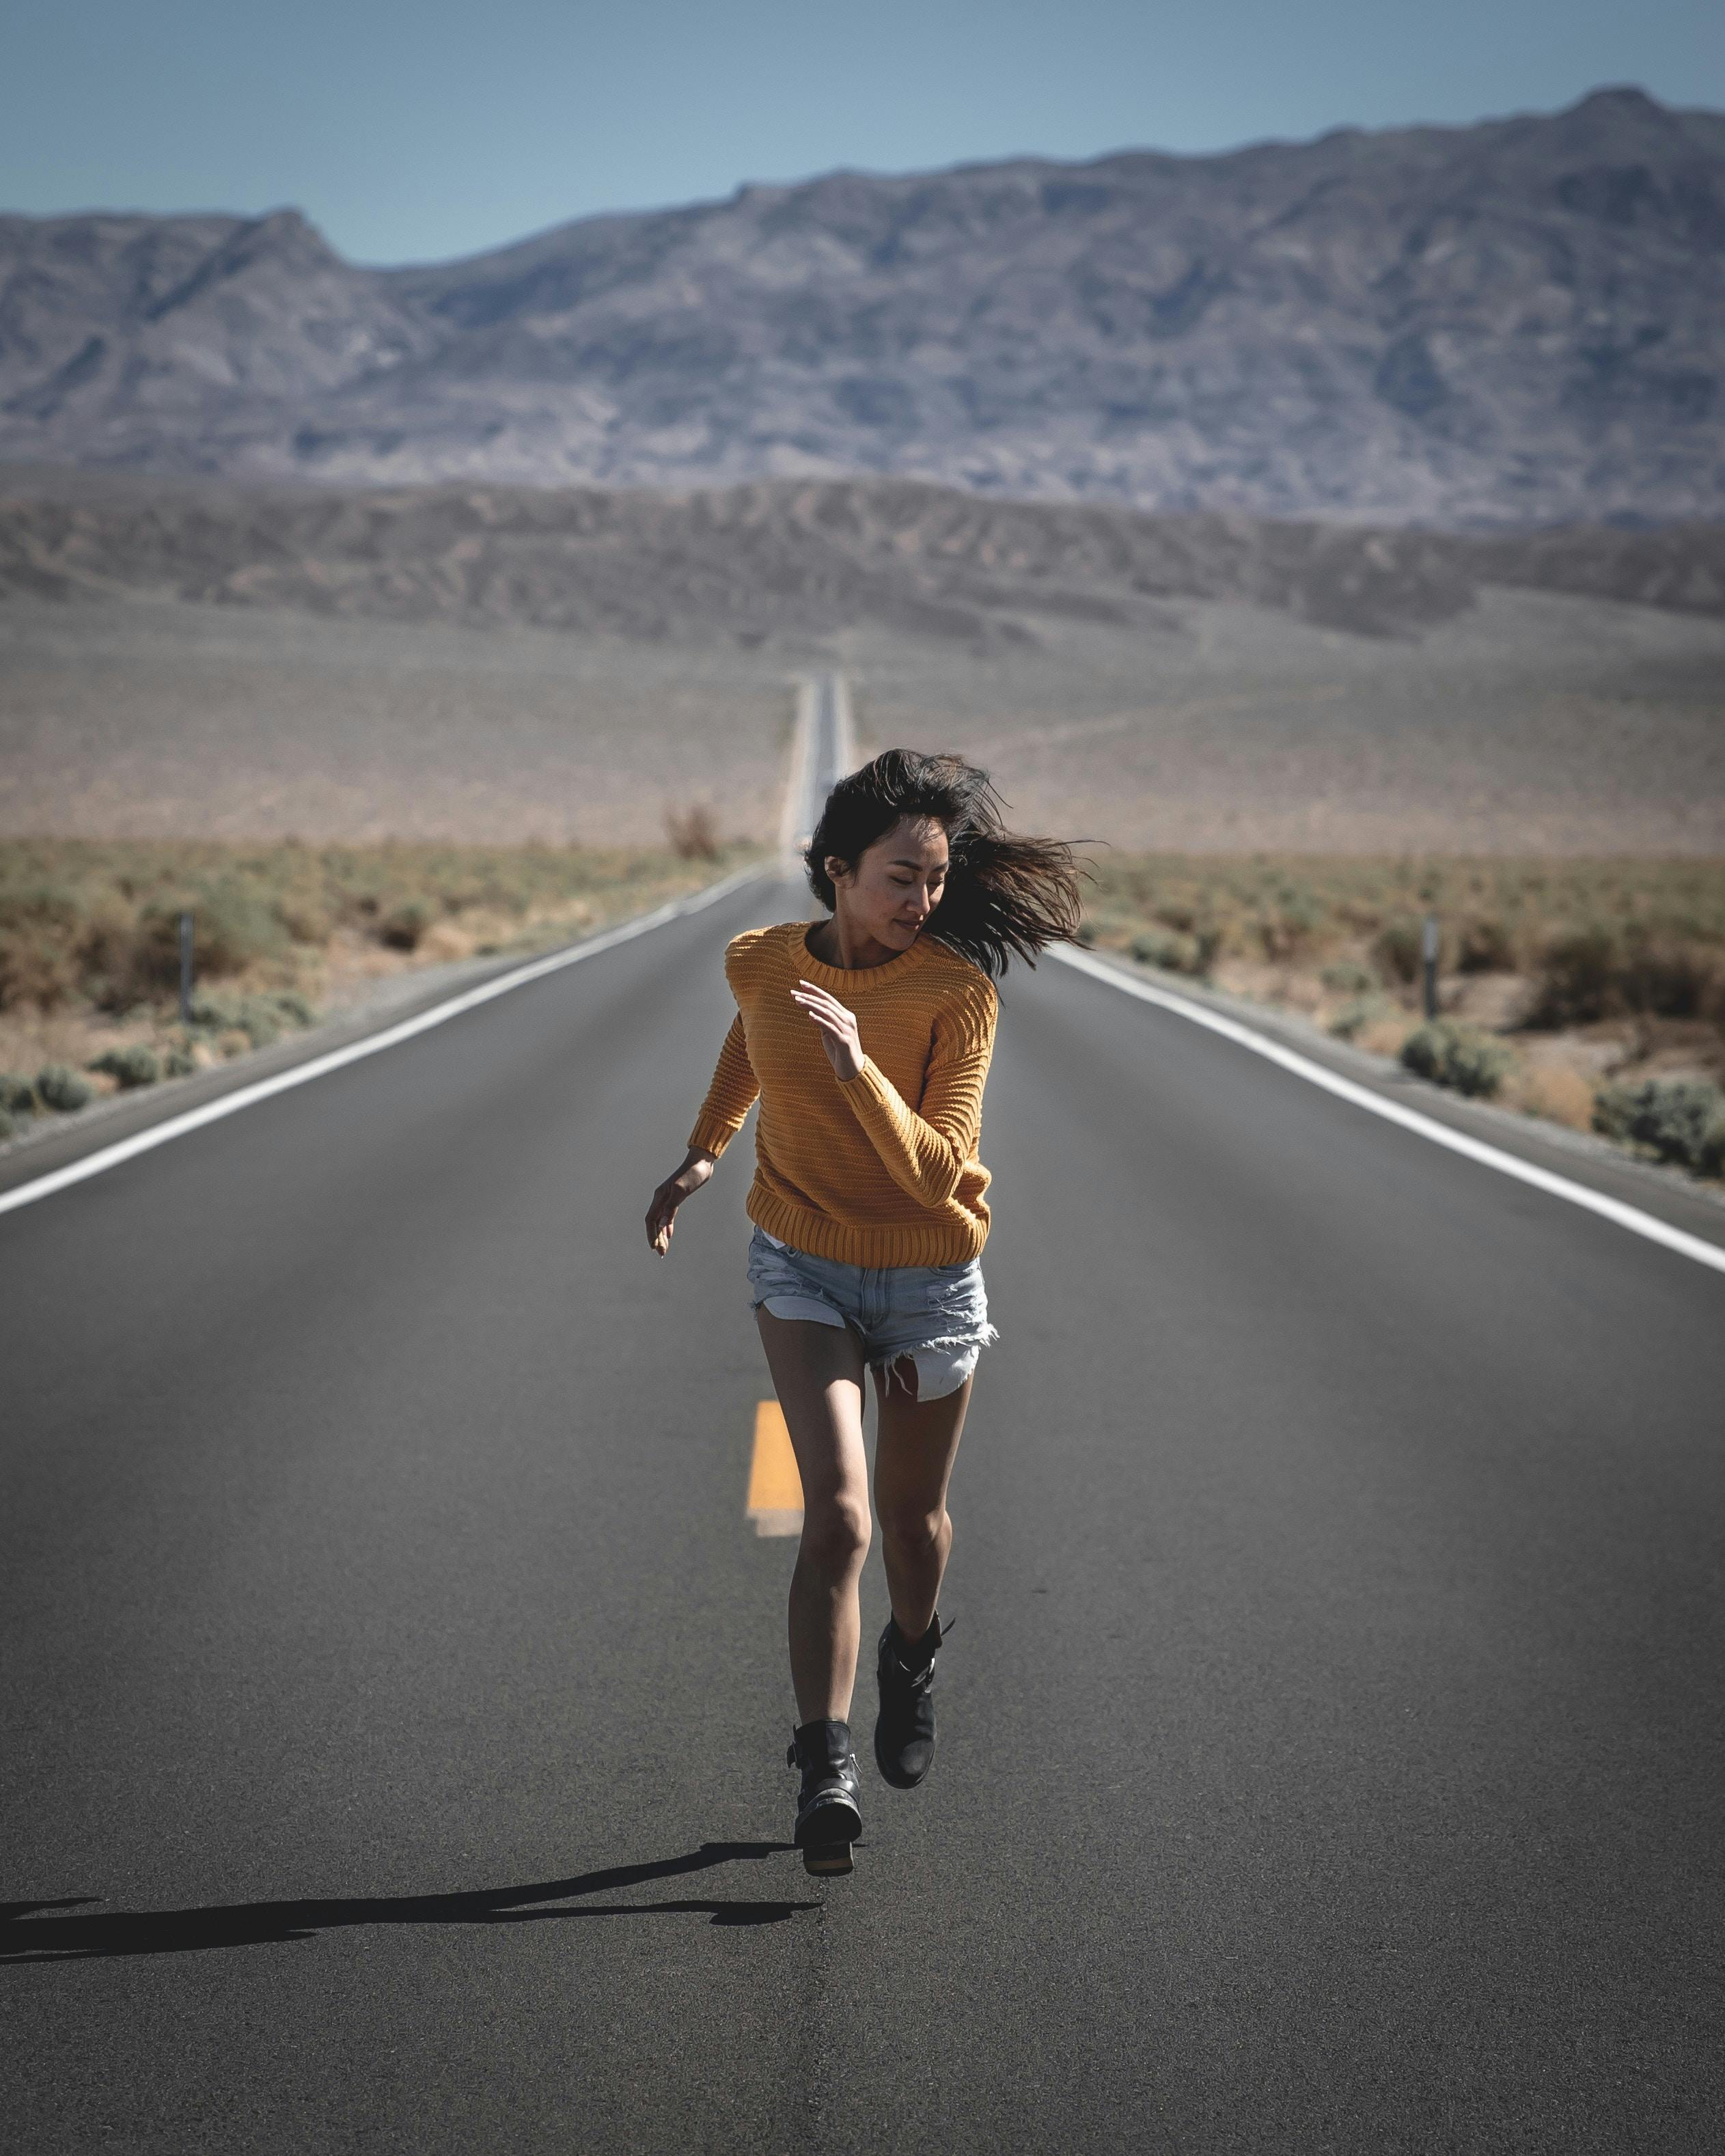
pixel 1004 893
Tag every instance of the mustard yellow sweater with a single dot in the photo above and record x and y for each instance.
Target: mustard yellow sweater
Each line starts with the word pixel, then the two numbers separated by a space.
pixel 881 1169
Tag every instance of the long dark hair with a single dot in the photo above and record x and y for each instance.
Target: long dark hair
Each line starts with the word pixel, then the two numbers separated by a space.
pixel 1004 893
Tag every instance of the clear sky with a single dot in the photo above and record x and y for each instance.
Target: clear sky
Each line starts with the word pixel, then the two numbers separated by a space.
pixel 416 133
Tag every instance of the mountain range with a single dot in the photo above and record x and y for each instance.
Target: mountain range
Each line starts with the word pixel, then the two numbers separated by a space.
pixel 1488 328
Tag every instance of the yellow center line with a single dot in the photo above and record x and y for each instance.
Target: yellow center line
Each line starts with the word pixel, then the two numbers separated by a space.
pixel 775 1500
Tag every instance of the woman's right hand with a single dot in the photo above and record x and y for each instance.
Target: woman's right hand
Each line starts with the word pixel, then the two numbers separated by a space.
pixel 662 1213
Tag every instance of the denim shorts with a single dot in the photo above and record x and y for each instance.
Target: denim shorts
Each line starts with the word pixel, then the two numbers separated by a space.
pixel 937 1314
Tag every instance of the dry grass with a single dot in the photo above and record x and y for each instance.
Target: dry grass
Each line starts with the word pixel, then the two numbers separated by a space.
pixel 1556 1090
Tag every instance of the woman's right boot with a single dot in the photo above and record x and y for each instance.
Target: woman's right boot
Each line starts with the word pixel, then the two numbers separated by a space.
pixel 829 1816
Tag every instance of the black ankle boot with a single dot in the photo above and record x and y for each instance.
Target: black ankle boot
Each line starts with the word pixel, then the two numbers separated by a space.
pixel 829 1817
pixel 904 1729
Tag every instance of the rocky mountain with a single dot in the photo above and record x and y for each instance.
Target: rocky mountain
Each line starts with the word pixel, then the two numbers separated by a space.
pixel 786 558
pixel 1518 323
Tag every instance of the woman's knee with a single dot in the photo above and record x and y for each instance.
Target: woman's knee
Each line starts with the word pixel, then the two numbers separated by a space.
pixel 835 1534
pixel 912 1527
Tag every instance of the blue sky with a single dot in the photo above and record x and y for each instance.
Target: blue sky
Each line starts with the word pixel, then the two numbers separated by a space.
pixel 419 133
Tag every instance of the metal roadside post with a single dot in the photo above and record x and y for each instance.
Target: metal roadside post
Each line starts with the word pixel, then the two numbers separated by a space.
pixel 1429 952
pixel 185 969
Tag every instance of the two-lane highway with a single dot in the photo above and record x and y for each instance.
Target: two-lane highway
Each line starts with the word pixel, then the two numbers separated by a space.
pixel 395 1693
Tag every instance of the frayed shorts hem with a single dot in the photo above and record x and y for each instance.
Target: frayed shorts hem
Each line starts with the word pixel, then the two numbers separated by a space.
pixel 888 1302
pixel 942 1365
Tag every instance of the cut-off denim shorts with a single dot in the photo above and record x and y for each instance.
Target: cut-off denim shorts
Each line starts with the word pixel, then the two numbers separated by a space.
pixel 937 1314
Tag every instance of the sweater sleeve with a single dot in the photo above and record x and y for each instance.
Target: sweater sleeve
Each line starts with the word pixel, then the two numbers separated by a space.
pixel 730 1095
pixel 925 1154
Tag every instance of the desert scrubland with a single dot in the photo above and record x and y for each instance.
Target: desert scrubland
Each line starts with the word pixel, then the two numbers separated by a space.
pixel 1276 744
pixel 284 935
pixel 1588 992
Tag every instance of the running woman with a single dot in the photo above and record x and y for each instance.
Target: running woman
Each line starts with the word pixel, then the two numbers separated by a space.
pixel 867 1038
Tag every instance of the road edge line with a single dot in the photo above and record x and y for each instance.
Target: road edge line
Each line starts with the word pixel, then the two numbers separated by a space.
pixel 1632 1217
pixel 320 1066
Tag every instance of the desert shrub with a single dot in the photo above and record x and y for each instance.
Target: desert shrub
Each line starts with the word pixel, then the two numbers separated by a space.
pixel 1575 977
pixel 36 970
pixel 1353 1018
pixel 1176 952
pixel 1666 980
pixel 1167 948
pixel 1459 1056
pixel 179 1063
pixel 402 925
pixel 232 929
pixel 1396 950
pixel 693 832
pixel 1678 1119
pixel 1087 932
pixel 257 1019
pixel 59 1087
pixel 1288 925
pixel 306 918
pixel 262 1018
pixel 40 919
pixel 1599 971
pixel 18 1095
pixel 136 1064
pixel 1347 976
pixel 1556 1091
pixel 34 901
pixel 210 1013
pixel 8 1128
pixel 1484 945
pixel 117 963
pixel 297 1009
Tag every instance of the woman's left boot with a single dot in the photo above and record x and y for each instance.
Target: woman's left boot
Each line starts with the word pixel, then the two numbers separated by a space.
pixel 829 1814
pixel 904 1729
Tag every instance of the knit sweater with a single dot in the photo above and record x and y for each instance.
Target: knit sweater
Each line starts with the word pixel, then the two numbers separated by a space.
pixel 881 1169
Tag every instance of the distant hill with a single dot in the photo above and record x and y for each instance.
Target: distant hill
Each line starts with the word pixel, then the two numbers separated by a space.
pixel 786 558
pixel 1511 324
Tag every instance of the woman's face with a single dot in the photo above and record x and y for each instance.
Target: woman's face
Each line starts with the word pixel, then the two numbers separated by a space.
pixel 897 884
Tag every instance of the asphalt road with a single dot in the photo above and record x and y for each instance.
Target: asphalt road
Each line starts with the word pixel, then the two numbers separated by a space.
pixel 395 1698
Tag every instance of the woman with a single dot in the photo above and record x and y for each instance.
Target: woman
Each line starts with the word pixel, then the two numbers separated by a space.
pixel 867 1038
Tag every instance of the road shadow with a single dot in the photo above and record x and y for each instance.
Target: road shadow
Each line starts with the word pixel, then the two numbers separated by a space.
pixel 31 1930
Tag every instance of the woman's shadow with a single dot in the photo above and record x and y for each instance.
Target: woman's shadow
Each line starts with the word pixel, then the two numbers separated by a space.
pixel 30 1932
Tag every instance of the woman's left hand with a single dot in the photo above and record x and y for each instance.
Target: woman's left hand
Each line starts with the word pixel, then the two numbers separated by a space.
pixel 838 1028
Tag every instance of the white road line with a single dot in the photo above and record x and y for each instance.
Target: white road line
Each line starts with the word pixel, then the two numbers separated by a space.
pixel 1488 1156
pixel 320 1066
pixel 823 751
pixel 844 734
pixel 794 829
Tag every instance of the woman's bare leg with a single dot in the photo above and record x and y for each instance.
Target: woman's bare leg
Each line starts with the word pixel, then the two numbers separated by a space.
pixel 918 1443
pixel 817 1374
